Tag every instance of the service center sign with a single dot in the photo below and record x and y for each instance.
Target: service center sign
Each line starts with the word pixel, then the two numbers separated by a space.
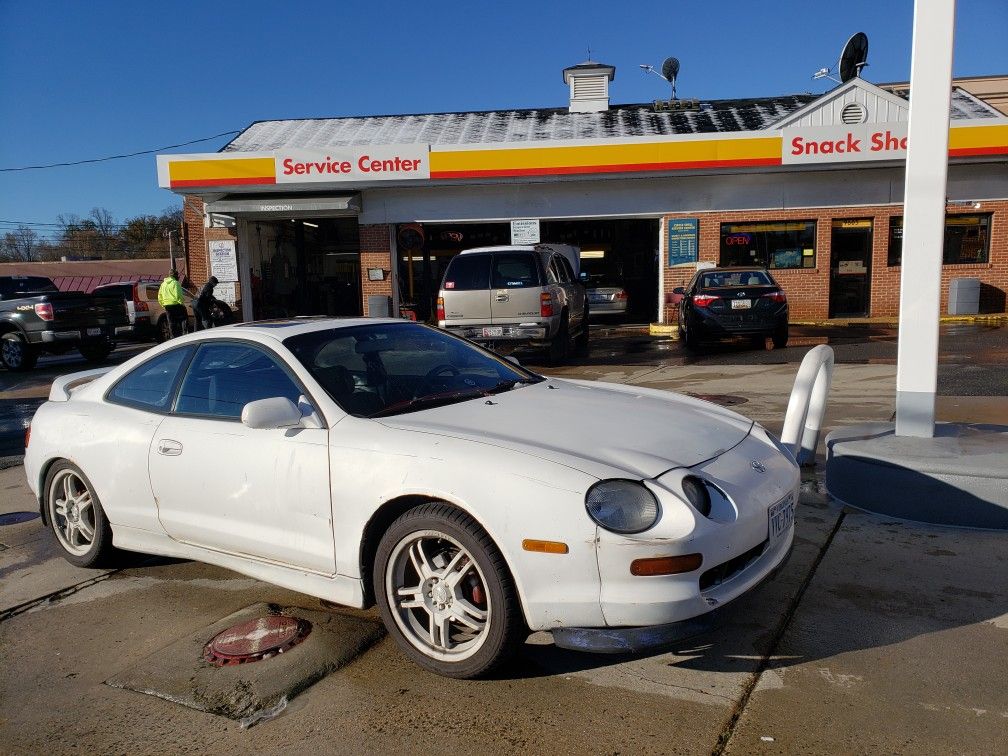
pixel 843 144
pixel 378 163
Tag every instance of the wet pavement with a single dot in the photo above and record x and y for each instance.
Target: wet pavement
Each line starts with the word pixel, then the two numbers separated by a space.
pixel 971 363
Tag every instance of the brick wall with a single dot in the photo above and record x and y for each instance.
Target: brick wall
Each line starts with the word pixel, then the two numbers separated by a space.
pixel 808 289
pixel 375 252
pixel 197 251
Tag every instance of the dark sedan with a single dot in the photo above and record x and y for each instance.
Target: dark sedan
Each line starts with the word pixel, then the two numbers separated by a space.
pixel 722 302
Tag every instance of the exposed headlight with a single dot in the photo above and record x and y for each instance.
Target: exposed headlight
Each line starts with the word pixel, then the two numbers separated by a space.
pixel 622 506
pixel 697 494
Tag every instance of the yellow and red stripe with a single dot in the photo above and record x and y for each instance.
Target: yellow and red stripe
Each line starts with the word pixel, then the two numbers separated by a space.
pixel 967 141
pixel 221 172
pixel 606 158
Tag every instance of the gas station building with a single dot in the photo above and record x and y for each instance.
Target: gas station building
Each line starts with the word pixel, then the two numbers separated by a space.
pixel 360 215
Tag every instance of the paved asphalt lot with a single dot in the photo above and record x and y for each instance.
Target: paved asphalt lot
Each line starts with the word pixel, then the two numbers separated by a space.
pixel 877 637
pixel 971 363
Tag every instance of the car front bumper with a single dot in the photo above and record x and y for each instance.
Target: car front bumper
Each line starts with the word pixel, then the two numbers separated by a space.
pixel 632 640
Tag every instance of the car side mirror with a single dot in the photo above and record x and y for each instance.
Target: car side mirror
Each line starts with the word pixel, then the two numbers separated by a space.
pixel 512 359
pixel 679 290
pixel 583 278
pixel 275 412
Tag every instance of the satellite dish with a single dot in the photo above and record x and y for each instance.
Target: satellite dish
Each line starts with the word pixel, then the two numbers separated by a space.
pixel 669 71
pixel 854 57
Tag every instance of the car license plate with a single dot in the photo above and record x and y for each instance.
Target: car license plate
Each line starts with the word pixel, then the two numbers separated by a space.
pixel 490 333
pixel 741 304
pixel 598 298
pixel 94 331
pixel 781 517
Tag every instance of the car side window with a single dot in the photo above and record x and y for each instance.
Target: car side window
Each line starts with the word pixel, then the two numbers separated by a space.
pixel 565 266
pixel 150 386
pixel 557 270
pixel 223 378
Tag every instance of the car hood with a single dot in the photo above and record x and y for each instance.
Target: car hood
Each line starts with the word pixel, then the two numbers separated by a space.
pixel 602 429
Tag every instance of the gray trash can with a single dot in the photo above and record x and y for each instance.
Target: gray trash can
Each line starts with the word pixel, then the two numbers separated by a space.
pixel 379 306
pixel 964 296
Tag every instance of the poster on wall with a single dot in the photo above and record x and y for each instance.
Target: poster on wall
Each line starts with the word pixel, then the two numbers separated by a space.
pixel 682 241
pixel 223 260
pixel 525 231
pixel 225 292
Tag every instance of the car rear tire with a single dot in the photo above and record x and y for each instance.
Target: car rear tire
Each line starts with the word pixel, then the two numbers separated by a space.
pixel 581 342
pixel 16 353
pixel 445 594
pixel 96 351
pixel 689 339
pixel 559 347
pixel 163 331
pixel 76 517
pixel 780 338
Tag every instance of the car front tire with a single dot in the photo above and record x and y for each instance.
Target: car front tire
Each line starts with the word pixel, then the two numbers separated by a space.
pixel 76 517
pixel 445 593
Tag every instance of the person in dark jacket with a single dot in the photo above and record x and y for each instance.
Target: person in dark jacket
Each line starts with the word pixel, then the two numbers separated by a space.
pixel 203 302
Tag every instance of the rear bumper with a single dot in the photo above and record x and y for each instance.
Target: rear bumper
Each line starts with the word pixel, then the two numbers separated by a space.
pixel 522 332
pixel 607 308
pixel 712 325
pixel 69 337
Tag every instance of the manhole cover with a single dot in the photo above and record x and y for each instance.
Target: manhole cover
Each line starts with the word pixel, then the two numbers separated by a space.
pixel 256 640
pixel 13 518
pixel 725 400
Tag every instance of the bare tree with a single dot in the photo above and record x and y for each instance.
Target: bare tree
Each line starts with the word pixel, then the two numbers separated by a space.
pixel 105 227
pixel 20 245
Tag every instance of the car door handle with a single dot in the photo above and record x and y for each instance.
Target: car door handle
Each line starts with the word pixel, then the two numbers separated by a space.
pixel 502 297
pixel 169 448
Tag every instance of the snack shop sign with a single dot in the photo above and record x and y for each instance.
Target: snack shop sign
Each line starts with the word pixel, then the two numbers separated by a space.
pixel 843 144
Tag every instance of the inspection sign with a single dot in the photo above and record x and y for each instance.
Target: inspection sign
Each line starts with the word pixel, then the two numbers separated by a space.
pixel 525 231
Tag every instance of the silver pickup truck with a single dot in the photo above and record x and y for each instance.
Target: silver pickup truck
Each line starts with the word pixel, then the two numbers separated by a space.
pixel 513 295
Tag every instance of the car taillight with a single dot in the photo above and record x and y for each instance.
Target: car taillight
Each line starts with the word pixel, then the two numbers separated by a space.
pixel 440 309
pixel 621 294
pixel 776 296
pixel 27 435
pixel 138 304
pixel 702 300
pixel 44 310
pixel 546 304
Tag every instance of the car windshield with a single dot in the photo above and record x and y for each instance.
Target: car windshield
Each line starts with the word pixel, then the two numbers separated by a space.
pixel 393 368
pixel 725 279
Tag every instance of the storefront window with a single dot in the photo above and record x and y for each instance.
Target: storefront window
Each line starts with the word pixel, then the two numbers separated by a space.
pixel 967 239
pixel 777 244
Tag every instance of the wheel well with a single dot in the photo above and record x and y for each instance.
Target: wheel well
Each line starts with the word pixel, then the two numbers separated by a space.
pixel 43 474
pixel 6 327
pixel 380 521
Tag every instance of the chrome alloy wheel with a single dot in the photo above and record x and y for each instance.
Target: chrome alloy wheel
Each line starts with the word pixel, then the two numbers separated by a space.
pixel 72 512
pixel 437 595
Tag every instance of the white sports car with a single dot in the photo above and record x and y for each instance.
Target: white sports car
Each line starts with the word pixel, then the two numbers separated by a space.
pixel 383 461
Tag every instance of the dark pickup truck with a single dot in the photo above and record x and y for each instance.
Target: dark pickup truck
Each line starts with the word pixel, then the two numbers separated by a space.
pixel 37 317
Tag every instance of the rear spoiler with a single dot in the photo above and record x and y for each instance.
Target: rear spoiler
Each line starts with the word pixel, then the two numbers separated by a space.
pixel 65 385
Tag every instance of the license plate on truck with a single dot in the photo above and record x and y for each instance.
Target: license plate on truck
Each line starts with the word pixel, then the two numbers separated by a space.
pixel 781 517
pixel 94 331
pixel 491 333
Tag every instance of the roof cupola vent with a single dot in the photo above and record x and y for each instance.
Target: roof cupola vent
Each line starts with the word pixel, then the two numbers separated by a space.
pixel 589 86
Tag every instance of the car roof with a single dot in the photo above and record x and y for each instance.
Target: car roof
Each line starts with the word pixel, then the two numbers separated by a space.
pixel 736 269
pixel 499 248
pixel 283 328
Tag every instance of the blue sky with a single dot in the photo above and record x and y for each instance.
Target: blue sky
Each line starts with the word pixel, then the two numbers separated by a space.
pixel 81 80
